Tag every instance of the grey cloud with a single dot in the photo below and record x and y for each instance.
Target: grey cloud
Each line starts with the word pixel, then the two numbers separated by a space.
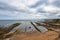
pixel 40 2
pixel 41 10
pixel 6 7
pixel 4 15
pixel 50 13
pixel 56 3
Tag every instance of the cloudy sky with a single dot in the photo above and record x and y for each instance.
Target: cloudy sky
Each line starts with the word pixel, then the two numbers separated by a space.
pixel 29 9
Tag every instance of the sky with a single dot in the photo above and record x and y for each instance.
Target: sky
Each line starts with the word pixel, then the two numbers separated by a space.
pixel 29 9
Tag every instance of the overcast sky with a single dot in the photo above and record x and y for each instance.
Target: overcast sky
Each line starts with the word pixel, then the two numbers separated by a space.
pixel 29 9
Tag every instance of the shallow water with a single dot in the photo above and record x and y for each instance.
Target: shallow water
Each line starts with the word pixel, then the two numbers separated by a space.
pixel 24 25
